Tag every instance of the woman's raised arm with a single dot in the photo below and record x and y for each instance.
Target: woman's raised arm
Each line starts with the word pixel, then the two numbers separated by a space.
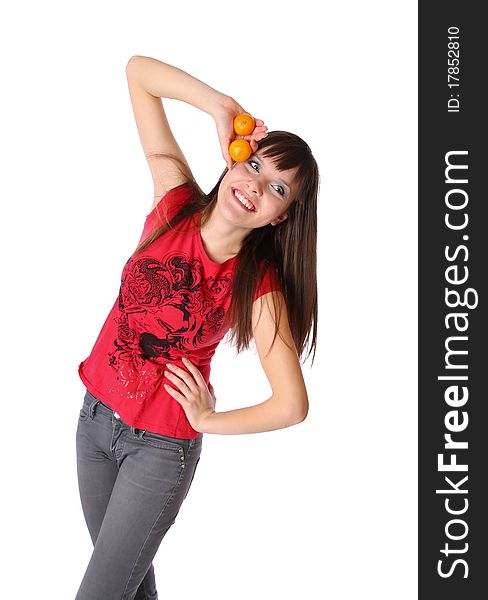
pixel 149 81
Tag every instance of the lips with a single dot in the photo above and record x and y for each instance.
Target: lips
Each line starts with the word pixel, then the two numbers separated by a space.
pixel 247 199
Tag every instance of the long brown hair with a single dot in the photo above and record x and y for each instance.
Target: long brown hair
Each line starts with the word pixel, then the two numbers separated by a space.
pixel 290 246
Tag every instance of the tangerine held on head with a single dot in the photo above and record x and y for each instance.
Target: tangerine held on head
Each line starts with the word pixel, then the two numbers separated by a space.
pixel 244 124
pixel 240 150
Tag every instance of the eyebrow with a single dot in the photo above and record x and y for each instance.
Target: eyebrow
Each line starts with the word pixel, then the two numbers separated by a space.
pixel 287 185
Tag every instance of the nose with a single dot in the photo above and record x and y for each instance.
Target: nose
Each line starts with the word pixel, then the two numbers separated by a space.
pixel 253 188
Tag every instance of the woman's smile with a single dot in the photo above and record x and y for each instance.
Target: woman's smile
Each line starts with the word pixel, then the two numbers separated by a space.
pixel 242 200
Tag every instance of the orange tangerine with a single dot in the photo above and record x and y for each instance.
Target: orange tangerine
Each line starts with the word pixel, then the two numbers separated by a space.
pixel 244 124
pixel 240 150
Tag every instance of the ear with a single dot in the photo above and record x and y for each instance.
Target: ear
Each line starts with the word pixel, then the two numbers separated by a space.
pixel 279 219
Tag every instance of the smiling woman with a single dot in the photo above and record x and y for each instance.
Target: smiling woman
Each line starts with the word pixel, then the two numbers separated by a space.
pixel 240 259
pixel 280 234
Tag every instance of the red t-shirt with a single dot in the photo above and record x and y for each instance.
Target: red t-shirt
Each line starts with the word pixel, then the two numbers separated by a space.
pixel 171 303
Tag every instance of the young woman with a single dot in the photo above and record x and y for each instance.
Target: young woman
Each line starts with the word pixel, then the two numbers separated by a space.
pixel 241 259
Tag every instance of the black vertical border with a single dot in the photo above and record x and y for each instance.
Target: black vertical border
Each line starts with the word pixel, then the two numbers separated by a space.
pixel 440 132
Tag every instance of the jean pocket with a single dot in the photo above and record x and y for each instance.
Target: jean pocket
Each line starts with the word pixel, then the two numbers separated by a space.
pixel 159 440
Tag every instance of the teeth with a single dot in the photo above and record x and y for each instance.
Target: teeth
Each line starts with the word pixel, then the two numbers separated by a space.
pixel 241 199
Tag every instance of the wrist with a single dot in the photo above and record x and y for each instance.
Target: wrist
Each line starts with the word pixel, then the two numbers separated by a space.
pixel 205 421
pixel 222 104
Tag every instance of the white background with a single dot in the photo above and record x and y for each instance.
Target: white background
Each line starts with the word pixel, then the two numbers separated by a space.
pixel 322 510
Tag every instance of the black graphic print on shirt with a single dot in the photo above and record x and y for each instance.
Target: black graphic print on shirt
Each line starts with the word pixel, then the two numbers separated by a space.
pixel 166 308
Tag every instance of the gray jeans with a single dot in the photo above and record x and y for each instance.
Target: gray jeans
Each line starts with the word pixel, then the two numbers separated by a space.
pixel 132 484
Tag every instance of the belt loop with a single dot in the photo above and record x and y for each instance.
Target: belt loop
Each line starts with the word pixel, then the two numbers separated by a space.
pixel 92 408
pixel 136 432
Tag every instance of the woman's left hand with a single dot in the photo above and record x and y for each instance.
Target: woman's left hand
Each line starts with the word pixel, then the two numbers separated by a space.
pixel 193 395
pixel 224 121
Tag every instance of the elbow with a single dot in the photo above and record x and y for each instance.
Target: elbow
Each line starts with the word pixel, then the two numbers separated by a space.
pixel 300 412
pixel 302 416
pixel 131 62
pixel 290 408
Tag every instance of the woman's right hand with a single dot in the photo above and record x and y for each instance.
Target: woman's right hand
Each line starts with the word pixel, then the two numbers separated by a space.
pixel 224 121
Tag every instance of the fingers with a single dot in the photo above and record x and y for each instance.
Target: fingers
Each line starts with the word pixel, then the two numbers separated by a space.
pixel 257 132
pixel 177 372
pixel 194 371
pixel 182 386
pixel 259 125
pixel 253 139
pixel 260 132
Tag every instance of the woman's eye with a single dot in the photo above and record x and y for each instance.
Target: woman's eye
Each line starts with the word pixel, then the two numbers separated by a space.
pixel 280 190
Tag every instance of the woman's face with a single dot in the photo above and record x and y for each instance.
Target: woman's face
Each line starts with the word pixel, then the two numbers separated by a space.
pixel 269 191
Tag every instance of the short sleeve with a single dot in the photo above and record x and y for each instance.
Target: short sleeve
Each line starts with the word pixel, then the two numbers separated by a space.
pixel 171 202
pixel 270 283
